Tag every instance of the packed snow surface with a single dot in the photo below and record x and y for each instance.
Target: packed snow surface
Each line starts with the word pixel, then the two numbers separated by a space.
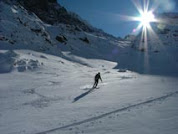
pixel 57 98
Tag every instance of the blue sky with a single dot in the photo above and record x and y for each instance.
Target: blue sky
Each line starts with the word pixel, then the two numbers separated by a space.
pixel 105 14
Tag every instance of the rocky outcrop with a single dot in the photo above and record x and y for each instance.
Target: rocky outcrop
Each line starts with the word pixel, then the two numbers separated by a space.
pixel 85 39
pixel 61 39
pixel 52 12
pixel 52 1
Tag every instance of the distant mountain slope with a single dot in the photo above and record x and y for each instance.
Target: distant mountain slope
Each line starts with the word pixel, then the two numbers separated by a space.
pixel 24 14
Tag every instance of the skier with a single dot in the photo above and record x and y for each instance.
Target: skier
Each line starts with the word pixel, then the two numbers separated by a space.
pixel 97 77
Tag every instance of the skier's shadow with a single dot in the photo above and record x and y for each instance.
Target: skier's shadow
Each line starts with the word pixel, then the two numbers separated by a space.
pixel 82 95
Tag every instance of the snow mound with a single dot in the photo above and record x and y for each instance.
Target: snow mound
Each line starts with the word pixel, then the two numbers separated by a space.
pixel 10 60
pixel 27 64
pixel 7 60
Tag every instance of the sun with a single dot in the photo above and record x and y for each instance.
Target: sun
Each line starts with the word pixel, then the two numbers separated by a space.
pixel 146 18
pixel 144 31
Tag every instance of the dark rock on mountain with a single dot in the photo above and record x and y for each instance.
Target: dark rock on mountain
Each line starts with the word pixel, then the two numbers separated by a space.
pixel 52 1
pixel 85 39
pixel 52 12
pixel 61 38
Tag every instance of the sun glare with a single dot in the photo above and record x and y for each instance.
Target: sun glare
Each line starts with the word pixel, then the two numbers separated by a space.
pixel 146 15
pixel 144 30
pixel 146 18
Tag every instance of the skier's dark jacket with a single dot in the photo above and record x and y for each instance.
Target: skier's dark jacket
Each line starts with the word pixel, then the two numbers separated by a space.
pixel 97 77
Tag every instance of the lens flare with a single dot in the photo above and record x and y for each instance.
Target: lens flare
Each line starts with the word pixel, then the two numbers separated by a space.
pixel 144 29
pixel 146 18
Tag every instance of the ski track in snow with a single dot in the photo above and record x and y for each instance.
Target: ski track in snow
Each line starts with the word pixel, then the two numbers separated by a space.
pixel 112 112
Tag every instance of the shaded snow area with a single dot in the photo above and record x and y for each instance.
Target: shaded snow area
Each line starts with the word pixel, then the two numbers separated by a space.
pixel 9 61
pixel 57 99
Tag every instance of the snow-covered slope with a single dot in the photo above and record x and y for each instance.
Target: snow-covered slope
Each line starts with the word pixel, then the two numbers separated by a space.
pixel 20 29
pixel 56 97
pixel 46 75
